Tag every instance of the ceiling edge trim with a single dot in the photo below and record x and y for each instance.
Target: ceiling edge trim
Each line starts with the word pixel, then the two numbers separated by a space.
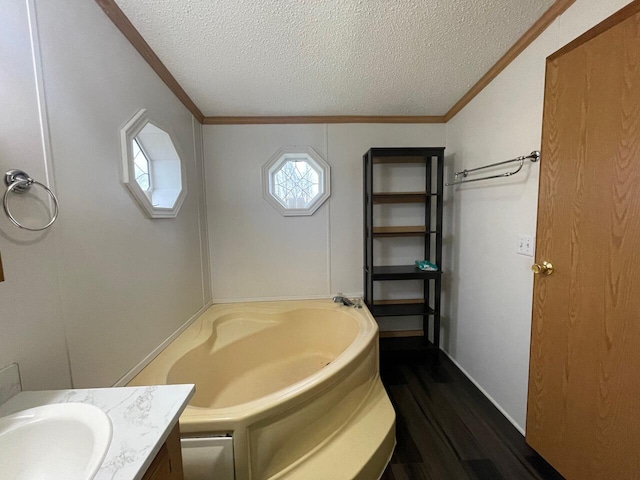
pixel 547 18
pixel 123 24
pixel 620 16
pixel 257 120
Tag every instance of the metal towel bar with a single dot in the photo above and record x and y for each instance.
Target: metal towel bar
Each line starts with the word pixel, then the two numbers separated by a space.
pixel 533 156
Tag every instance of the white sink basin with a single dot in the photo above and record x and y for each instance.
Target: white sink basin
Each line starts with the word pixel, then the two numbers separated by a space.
pixel 66 441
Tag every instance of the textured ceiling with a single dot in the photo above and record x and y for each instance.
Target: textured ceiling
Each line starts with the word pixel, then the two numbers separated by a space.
pixel 330 57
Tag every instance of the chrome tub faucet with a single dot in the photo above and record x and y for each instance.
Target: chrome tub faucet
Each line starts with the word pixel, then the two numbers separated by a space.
pixel 347 302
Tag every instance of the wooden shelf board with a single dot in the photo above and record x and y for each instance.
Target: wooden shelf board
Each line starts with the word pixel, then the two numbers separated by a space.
pixel 402 272
pixel 401 301
pixel 378 152
pixel 401 310
pixel 402 231
pixel 401 333
pixel 399 159
pixel 400 197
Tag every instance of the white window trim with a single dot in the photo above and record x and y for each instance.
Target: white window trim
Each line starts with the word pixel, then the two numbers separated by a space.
pixel 144 198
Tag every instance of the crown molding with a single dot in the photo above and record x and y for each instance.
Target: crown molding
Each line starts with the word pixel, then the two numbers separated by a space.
pixel 121 21
pixel 322 119
pixel 547 18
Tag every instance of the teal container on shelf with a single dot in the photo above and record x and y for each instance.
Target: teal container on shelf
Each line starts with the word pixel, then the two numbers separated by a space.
pixel 427 266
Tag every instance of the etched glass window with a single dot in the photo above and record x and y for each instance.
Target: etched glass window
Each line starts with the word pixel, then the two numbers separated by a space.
pixel 296 184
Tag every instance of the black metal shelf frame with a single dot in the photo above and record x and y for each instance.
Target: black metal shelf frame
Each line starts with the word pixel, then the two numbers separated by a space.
pixel 432 198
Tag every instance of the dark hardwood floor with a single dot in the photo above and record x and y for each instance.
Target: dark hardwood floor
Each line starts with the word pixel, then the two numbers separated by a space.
pixel 446 429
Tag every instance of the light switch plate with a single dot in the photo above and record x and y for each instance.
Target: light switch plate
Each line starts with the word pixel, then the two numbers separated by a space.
pixel 526 245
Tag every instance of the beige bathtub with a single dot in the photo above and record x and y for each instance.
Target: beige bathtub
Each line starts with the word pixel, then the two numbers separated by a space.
pixel 296 384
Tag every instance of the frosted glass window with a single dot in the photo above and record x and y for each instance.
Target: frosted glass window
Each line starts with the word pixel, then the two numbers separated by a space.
pixel 296 184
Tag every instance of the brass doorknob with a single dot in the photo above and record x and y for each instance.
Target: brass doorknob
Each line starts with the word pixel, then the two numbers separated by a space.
pixel 545 268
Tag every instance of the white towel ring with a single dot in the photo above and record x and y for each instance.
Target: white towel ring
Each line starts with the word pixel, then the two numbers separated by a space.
pixel 18 181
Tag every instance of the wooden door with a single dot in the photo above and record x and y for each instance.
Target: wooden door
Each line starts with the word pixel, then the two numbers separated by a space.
pixel 583 411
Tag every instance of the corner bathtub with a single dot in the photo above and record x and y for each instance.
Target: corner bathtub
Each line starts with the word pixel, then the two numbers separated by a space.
pixel 295 383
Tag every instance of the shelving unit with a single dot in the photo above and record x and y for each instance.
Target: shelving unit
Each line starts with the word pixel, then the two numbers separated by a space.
pixel 431 198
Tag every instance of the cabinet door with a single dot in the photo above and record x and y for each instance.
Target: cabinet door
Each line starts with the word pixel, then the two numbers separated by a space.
pixel 208 458
pixel 160 468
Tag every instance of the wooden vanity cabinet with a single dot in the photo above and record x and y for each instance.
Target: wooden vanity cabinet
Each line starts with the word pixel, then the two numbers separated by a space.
pixel 168 462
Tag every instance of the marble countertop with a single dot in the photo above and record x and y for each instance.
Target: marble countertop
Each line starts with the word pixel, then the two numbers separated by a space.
pixel 142 418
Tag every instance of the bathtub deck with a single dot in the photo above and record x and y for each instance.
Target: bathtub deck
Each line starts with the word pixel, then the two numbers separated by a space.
pixel 446 429
pixel 268 378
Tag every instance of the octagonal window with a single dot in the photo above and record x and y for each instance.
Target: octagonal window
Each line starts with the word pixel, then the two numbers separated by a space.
pixel 296 181
pixel 153 170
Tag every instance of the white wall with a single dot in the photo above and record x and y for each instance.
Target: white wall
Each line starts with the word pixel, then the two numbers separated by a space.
pixel 31 330
pixel 258 254
pixel 106 285
pixel 488 304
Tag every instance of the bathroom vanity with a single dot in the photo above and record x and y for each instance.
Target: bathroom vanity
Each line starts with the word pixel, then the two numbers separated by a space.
pixel 145 435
